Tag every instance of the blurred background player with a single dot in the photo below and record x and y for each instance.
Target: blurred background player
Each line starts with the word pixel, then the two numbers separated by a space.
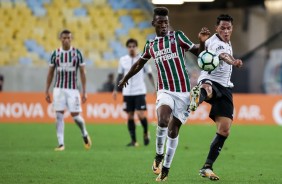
pixel 134 95
pixel 108 85
pixel 66 61
pixel 1 82
pixel 172 104
pixel 216 88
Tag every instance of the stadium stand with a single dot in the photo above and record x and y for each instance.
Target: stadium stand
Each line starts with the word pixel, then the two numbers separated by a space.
pixel 29 29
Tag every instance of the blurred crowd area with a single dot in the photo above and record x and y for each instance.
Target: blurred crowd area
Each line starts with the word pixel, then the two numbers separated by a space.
pixel 29 32
pixel 29 29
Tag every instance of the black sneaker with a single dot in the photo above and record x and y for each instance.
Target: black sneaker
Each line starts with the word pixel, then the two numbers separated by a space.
pixel 163 175
pixel 146 139
pixel 157 164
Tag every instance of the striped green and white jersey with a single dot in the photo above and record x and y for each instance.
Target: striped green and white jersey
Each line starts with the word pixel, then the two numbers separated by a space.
pixel 169 56
pixel 66 64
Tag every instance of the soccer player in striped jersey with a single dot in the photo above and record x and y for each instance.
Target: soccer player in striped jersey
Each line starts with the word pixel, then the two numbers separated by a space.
pixel 66 61
pixel 167 50
pixel 216 89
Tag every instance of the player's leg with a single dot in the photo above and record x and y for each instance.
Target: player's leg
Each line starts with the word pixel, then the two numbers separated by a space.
pixel 180 114
pixel 141 108
pixel 131 128
pixel 164 106
pixel 144 122
pixel 199 93
pixel 59 105
pixel 60 125
pixel 222 114
pixel 79 121
pixel 164 115
pixel 171 145
pixel 223 129
pixel 129 108
pixel 74 106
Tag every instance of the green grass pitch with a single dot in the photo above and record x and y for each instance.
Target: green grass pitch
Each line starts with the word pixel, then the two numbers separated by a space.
pixel 252 154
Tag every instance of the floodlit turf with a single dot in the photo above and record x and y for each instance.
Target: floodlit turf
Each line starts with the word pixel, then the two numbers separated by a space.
pixel 253 154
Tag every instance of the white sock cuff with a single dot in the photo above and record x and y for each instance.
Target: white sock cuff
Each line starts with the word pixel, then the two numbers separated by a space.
pixel 161 131
pixel 172 142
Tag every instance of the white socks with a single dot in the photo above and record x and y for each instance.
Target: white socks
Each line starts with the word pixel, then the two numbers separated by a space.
pixel 160 139
pixel 80 123
pixel 60 127
pixel 171 146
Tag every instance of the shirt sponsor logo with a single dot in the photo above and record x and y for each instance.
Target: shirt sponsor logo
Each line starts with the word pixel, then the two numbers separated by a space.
pixel 219 48
pixel 165 54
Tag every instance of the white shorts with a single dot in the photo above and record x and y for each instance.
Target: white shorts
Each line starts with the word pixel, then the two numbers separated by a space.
pixel 177 101
pixel 66 99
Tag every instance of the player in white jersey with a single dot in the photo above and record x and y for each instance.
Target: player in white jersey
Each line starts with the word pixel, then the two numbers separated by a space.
pixel 168 50
pixel 134 95
pixel 215 88
pixel 66 61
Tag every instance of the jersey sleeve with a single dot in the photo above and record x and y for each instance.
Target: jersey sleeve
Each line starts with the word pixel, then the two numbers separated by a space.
pixel 52 61
pixel 80 58
pixel 184 41
pixel 120 68
pixel 146 52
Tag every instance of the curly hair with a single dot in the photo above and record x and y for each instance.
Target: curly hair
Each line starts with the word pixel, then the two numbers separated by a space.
pixel 161 11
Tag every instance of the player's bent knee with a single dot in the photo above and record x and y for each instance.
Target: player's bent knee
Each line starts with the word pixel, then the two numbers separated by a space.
pixel 208 88
pixel 224 132
pixel 163 121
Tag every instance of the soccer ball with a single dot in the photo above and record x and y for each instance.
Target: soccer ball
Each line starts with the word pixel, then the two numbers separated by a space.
pixel 208 60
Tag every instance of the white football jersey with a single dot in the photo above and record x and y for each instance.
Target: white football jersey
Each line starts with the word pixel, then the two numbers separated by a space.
pixel 136 84
pixel 222 73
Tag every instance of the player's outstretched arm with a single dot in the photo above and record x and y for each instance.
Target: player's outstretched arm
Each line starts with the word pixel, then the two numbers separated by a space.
pixel 82 72
pixel 48 83
pixel 203 35
pixel 136 67
pixel 231 60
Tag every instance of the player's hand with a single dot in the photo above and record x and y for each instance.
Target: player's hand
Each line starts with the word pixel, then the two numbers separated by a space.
pixel 123 83
pixel 204 34
pixel 114 95
pixel 48 98
pixel 238 63
pixel 84 97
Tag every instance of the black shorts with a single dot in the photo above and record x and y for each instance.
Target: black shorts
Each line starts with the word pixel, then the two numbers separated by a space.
pixel 222 100
pixel 132 103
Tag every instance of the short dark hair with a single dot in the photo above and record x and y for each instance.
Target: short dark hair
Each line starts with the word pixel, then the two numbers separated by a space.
pixel 131 40
pixel 161 11
pixel 224 17
pixel 65 31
